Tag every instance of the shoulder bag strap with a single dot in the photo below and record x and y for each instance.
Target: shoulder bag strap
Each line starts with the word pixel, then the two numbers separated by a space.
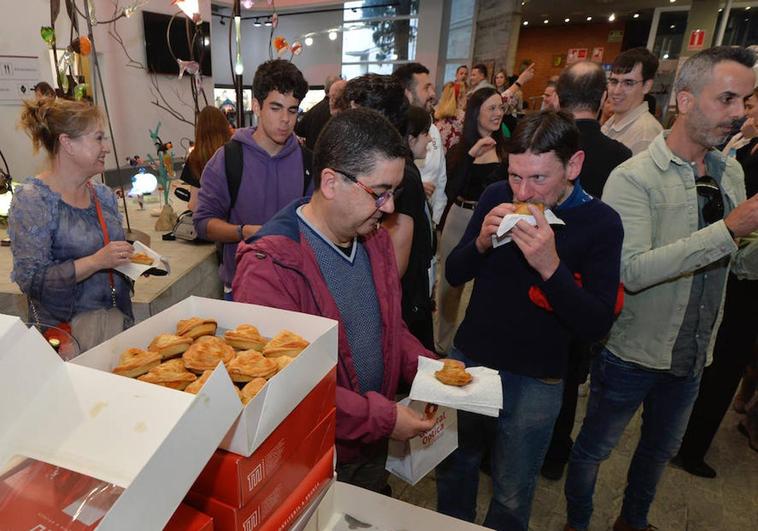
pixel 106 238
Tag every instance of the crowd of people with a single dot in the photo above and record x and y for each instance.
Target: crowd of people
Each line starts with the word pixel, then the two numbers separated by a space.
pixel 648 286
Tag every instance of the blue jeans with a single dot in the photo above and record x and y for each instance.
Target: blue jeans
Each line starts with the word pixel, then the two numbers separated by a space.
pixel 518 438
pixel 617 389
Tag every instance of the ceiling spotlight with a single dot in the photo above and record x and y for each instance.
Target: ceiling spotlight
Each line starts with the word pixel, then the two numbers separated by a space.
pixel 747 8
pixel 308 41
pixel 636 15
pixel 566 20
pixel 332 35
pixel 545 21
pixel 589 18
pixel 672 26
pixel 268 23
pixel 672 1
pixel 257 23
pixel 612 17
pixel 721 9
pixel 665 56
pixel 526 23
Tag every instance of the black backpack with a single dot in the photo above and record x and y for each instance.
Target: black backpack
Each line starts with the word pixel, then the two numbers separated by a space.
pixel 233 166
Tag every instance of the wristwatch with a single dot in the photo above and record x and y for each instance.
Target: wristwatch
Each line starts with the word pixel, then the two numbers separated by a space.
pixel 517 84
pixel 239 232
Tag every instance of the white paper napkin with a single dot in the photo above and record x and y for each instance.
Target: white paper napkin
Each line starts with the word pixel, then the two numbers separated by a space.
pixel 501 237
pixel 159 267
pixel 484 395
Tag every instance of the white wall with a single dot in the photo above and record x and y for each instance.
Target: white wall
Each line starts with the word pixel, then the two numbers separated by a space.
pixel 127 89
pixel 316 62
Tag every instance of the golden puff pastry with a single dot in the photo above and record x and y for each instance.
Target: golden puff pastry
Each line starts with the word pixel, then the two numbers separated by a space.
pixel 135 362
pixel 196 327
pixel 454 373
pixel 171 374
pixel 285 343
pixel 523 208
pixel 169 345
pixel 142 259
pixel 252 388
pixel 205 353
pixel 250 364
pixel 195 386
pixel 245 337
pixel 283 361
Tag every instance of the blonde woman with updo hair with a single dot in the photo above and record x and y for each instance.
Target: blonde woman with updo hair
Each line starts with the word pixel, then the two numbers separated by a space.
pixel 448 117
pixel 66 233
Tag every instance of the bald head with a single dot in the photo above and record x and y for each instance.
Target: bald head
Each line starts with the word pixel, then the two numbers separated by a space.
pixel 581 87
pixel 329 80
pixel 337 100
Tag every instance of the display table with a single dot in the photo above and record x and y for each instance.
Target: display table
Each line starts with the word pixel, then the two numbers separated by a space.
pixel 194 271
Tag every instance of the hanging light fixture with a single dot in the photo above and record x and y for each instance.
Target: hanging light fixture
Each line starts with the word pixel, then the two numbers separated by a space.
pixel 238 68
pixel 191 8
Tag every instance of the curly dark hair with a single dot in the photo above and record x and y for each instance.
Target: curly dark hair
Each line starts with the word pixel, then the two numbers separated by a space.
pixel 279 75
pixel 384 94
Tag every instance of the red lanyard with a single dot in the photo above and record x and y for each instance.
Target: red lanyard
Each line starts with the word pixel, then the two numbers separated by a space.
pixel 106 238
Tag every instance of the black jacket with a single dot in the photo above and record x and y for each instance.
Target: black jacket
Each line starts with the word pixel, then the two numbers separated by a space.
pixel 601 155
pixel 312 122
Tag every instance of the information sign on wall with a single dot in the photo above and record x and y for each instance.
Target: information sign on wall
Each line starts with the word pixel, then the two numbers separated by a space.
pixel 18 75
pixel 575 55
pixel 697 40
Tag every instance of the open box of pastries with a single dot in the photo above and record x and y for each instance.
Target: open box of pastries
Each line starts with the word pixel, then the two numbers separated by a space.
pixel 185 358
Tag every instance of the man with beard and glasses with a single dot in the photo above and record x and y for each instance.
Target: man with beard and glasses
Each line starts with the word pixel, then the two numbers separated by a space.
pixel 684 212
pixel 419 89
pixel 325 256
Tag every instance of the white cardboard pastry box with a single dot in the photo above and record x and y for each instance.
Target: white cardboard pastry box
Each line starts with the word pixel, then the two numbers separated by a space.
pixel 345 507
pixel 283 392
pixel 147 442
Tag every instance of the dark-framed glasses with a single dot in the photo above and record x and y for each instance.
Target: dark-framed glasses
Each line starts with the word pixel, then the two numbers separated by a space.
pixel 709 189
pixel 625 83
pixel 379 199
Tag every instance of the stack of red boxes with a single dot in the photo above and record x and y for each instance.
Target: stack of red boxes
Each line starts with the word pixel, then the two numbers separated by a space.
pixel 271 488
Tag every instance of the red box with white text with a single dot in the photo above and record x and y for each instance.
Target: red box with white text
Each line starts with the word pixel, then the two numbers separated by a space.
pixel 235 479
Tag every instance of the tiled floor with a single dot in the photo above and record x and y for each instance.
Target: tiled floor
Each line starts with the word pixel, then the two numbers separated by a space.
pixel 683 502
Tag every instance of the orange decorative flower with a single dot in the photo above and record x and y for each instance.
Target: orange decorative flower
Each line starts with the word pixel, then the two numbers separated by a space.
pixel 280 43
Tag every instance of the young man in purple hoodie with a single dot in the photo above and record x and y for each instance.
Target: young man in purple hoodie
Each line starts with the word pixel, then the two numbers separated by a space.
pixel 272 167
pixel 325 256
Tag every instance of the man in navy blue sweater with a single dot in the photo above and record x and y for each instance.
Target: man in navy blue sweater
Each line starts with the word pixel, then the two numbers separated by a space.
pixel 531 298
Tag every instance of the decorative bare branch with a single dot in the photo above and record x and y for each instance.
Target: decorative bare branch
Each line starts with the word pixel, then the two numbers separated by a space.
pixel 161 102
pixel 113 32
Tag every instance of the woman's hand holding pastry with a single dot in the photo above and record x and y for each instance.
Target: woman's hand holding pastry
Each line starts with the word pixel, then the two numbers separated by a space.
pixel 114 254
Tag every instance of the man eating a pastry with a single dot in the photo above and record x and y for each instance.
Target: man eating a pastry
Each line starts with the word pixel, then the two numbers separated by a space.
pixel 532 296
pixel 328 256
